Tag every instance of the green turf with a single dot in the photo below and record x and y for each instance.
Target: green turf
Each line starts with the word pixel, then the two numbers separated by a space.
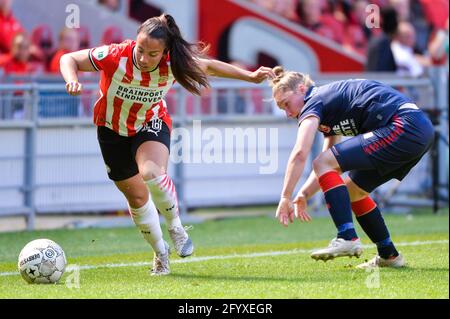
pixel 292 274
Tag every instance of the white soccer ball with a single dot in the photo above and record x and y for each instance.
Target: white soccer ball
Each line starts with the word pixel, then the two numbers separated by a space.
pixel 42 261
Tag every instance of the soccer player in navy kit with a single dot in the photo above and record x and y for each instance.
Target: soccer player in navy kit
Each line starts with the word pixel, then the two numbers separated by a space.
pixel 390 135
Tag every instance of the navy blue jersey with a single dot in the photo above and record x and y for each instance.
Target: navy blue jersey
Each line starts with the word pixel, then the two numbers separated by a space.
pixel 352 107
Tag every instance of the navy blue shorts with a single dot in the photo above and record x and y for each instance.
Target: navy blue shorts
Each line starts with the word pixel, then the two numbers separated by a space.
pixel 388 152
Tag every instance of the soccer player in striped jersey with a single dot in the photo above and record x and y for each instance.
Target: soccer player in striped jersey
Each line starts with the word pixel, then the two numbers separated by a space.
pixel 390 135
pixel 134 126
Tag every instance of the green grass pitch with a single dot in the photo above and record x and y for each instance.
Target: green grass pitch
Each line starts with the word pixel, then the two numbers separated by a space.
pixel 252 257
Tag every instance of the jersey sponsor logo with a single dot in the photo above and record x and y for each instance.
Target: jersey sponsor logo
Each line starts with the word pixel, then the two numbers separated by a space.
pixel 346 127
pixel 100 53
pixel 138 94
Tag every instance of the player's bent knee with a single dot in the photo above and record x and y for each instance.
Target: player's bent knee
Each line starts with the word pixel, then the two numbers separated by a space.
pixel 320 165
pixel 150 170
pixel 325 162
pixel 137 201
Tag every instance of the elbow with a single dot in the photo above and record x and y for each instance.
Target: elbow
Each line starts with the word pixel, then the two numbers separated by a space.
pixel 64 58
pixel 67 59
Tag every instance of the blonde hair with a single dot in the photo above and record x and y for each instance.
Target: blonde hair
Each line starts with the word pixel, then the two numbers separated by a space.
pixel 289 80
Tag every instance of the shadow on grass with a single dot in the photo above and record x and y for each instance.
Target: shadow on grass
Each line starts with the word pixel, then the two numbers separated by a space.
pixel 245 278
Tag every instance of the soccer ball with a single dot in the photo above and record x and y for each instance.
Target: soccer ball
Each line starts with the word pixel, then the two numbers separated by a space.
pixel 42 261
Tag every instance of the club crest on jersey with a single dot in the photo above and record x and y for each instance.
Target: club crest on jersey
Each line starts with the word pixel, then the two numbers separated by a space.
pixel 324 128
pixel 100 53
pixel 154 126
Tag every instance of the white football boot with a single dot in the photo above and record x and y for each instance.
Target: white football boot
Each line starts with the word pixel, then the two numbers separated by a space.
pixel 161 265
pixel 377 261
pixel 339 247
pixel 181 241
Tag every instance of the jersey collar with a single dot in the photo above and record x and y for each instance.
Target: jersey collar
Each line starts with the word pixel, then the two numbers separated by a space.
pixel 134 57
pixel 310 93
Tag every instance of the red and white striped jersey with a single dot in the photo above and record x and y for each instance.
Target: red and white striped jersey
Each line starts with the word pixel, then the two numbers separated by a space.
pixel 129 97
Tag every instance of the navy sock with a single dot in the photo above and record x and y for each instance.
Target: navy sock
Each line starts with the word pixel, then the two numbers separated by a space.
pixel 347 231
pixel 338 203
pixel 372 222
pixel 386 248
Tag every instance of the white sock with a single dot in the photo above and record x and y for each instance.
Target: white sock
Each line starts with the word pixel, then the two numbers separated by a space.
pixel 164 195
pixel 147 220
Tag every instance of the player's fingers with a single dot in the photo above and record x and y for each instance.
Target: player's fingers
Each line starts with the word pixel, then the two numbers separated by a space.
pixel 279 216
pixel 69 87
pixel 74 88
pixel 285 220
pixel 80 87
pixel 270 73
pixel 304 216
pixel 267 73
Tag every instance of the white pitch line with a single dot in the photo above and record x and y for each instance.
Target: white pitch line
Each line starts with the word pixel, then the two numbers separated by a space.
pixel 251 255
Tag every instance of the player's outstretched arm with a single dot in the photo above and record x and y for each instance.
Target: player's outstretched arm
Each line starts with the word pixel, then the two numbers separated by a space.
pixel 295 166
pixel 70 64
pixel 225 70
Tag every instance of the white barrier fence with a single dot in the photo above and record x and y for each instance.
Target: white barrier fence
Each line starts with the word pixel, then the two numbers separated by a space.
pixel 226 150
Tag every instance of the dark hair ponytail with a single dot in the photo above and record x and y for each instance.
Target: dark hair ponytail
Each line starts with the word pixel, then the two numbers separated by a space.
pixel 183 55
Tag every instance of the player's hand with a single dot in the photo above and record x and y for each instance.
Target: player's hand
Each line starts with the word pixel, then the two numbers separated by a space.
pixel 300 205
pixel 74 88
pixel 285 211
pixel 261 74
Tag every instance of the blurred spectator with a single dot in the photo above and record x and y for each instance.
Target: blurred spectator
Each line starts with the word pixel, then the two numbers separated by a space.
pixel 9 26
pixel 357 34
pixel 112 34
pixel 412 11
pixel 69 41
pixel 18 61
pixel 85 37
pixel 422 26
pixel 438 47
pixel 284 8
pixel 402 7
pixel 42 44
pixel 408 63
pixel 266 4
pixel 12 104
pixel 435 11
pixel 113 5
pixel 141 10
pixel 379 54
pixel 311 17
